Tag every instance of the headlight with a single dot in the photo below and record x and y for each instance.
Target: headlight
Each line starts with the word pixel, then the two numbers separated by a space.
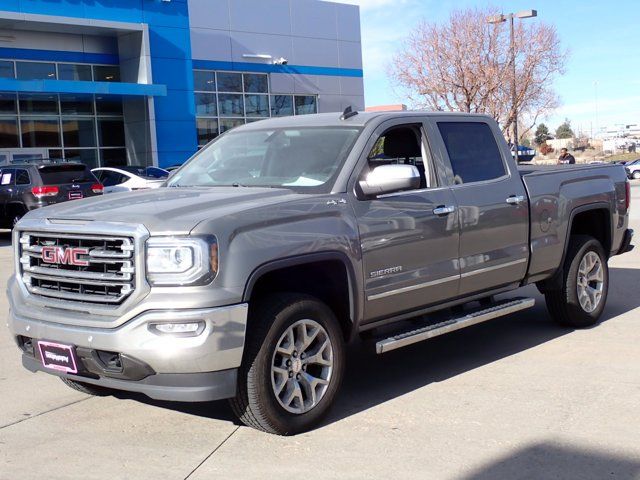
pixel 181 260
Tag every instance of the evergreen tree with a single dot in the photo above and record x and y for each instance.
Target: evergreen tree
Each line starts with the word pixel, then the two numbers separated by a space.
pixel 564 130
pixel 542 134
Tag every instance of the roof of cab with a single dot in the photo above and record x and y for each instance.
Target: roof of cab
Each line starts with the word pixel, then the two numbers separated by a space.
pixel 334 119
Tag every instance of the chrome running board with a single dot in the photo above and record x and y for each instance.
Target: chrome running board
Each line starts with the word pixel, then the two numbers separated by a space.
pixel 413 336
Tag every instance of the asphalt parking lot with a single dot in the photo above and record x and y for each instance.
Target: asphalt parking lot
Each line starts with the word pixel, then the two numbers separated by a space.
pixel 516 398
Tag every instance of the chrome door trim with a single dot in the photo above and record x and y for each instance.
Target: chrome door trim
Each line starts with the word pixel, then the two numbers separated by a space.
pixel 494 267
pixel 410 288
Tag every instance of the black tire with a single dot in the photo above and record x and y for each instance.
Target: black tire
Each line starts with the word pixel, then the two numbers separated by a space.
pixel 563 303
pixel 256 404
pixel 89 389
pixel 14 216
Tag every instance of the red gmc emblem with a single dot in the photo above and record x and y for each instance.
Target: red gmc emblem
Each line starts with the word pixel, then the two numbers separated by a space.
pixel 65 256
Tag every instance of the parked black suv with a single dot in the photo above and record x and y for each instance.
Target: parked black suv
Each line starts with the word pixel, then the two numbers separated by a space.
pixel 28 186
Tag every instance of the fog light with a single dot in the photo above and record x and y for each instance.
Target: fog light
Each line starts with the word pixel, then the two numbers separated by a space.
pixel 190 329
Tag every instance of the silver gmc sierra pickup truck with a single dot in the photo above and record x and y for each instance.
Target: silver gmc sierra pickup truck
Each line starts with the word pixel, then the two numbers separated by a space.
pixel 281 242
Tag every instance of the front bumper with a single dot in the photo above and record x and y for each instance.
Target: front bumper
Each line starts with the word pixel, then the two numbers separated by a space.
pixel 173 387
pixel 167 367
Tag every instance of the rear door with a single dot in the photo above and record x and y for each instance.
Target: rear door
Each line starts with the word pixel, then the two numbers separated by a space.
pixel 492 204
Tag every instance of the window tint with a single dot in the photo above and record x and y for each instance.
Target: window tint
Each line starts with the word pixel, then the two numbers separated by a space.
pixel 473 151
pixel 22 177
pixel 63 174
pixel 112 179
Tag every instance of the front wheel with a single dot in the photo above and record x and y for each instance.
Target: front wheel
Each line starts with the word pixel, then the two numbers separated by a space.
pixel 581 299
pixel 292 367
pixel 636 175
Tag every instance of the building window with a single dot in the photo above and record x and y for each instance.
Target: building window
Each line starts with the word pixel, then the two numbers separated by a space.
pixel 106 73
pixel 70 71
pixel 6 69
pixel 224 100
pixel 83 128
pixel 35 71
pixel 79 72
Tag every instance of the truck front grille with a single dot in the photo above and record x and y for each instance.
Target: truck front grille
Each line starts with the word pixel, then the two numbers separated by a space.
pixel 80 268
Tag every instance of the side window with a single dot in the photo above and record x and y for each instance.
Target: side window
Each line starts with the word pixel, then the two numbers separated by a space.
pixel 121 178
pixel 109 178
pixel 473 151
pixel 22 177
pixel 99 175
pixel 7 177
pixel 399 145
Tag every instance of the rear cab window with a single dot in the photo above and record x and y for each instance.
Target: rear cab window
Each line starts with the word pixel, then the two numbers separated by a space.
pixel 473 151
pixel 65 174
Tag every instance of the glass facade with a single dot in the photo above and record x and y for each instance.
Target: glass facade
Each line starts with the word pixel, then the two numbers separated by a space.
pixel 88 128
pixel 24 70
pixel 85 128
pixel 227 99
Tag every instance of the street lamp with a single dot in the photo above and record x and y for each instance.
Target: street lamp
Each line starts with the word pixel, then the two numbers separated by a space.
pixel 514 108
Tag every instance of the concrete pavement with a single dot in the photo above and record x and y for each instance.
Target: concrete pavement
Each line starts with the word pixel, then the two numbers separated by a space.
pixel 517 398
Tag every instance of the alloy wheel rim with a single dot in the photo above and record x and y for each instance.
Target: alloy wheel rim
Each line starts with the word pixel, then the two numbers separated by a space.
pixel 590 283
pixel 302 366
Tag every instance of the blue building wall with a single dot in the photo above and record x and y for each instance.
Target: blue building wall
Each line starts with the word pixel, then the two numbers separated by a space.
pixel 171 61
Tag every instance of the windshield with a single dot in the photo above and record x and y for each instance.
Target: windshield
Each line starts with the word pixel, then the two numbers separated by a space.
pixel 298 158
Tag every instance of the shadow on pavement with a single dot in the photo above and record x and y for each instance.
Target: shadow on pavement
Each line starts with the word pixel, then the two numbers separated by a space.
pixel 5 238
pixel 547 460
pixel 372 379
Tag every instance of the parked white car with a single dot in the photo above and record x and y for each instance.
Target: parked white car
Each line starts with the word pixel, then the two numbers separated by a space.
pixel 129 178
pixel 633 169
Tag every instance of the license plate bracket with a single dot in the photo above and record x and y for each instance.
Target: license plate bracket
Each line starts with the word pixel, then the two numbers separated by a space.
pixel 57 356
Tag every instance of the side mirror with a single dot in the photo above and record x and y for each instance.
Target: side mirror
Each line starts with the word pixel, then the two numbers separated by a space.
pixel 390 179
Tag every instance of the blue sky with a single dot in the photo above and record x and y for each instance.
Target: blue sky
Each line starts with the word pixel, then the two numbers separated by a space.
pixel 603 39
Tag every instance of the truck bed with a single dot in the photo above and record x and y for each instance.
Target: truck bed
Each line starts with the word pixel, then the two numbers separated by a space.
pixel 556 193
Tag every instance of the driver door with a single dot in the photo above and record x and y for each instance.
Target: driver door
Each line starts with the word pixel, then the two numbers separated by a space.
pixel 409 239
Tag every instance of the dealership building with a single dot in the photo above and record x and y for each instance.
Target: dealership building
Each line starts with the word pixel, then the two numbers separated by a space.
pixel 147 82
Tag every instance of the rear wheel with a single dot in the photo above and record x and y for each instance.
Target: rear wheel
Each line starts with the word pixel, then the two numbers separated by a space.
pixel 14 215
pixel 87 388
pixel 581 299
pixel 636 175
pixel 292 366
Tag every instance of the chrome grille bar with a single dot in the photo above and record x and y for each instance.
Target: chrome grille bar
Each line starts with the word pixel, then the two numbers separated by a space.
pixel 102 270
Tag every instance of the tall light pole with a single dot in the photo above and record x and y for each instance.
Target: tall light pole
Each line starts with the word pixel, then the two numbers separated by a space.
pixel 512 46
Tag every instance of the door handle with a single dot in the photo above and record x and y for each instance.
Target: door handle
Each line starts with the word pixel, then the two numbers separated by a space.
pixel 444 210
pixel 515 199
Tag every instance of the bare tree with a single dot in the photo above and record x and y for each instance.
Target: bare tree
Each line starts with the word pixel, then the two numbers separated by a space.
pixel 464 65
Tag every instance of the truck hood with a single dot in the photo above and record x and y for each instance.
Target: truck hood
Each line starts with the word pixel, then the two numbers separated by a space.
pixel 167 210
